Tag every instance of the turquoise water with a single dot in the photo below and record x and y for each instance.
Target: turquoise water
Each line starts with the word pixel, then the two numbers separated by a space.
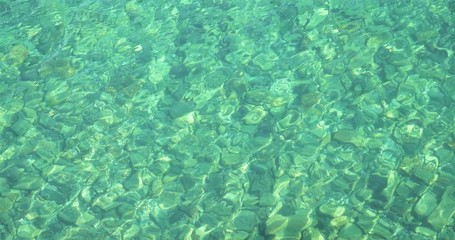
pixel 227 119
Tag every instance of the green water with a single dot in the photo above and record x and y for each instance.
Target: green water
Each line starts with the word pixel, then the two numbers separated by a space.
pixel 227 119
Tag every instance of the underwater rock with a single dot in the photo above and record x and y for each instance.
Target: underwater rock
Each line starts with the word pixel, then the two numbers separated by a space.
pixel 255 116
pixel 426 204
pixel 246 221
pixel 276 224
pixel 441 216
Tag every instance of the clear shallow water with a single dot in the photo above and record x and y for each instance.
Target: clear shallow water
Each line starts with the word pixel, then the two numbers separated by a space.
pixel 226 120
